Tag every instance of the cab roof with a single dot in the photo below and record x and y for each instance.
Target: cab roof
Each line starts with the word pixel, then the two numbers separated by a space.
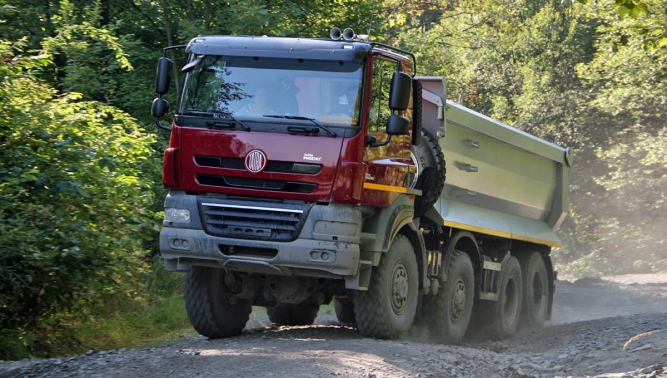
pixel 279 47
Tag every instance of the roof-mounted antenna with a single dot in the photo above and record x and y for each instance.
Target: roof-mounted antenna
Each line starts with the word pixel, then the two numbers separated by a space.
pixel 370 26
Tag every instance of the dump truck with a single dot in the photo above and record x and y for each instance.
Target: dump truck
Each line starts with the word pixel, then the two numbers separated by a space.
pixel 305 171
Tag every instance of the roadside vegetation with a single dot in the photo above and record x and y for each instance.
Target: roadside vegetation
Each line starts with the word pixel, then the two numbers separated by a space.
pixel 80 157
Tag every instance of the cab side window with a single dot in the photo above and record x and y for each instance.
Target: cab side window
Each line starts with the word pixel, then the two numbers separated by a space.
pixel 381 83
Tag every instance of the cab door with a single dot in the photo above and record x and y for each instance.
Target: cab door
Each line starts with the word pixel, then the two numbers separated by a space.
pixel 388 166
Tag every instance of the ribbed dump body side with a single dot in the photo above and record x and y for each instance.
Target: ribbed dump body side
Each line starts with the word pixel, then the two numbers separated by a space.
pixel 500 180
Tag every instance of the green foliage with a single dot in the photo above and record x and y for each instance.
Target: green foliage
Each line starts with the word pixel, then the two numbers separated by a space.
pixel 124 321
pixel 74 201
pixel 93 55
pixel 628 110
pixel 585 75
pixel 512 62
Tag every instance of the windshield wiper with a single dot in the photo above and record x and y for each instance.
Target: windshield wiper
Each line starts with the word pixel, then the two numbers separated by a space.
pixel 243 125
pixel 230 123
pixel 303 129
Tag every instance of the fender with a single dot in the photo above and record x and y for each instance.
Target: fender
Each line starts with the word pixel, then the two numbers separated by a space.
pixel 411 230
pixel 474 252
pixel 388 222
pixel 382 225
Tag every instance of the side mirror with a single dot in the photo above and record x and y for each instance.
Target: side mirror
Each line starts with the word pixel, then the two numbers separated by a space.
pixel 163 75
pixel 399 94
pixel 159 108
pixel 397 125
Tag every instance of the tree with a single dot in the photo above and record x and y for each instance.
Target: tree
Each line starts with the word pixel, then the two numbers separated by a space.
pixel 628 77
pixel 74 202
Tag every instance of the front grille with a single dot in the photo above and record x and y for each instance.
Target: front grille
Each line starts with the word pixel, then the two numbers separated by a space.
pixel 252 183
pixel 272 166
pixel 253 220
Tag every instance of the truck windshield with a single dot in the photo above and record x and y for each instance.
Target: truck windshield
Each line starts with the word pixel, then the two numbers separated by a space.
pixel 326 92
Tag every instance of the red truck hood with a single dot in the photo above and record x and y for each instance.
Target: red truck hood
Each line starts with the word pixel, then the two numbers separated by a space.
pixel 292 166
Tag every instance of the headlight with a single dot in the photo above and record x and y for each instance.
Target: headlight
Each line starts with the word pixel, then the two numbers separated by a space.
pixel 177 215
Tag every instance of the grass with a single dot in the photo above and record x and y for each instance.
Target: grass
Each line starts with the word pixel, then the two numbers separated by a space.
pixel 120 323
pixel 159 321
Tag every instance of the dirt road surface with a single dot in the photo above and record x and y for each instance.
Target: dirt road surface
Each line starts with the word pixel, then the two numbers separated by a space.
pixel 610 327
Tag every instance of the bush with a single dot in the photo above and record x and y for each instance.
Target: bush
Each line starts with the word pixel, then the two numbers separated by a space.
pixel 75 204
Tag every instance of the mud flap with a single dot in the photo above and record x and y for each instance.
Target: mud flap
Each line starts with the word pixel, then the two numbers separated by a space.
pixel 361 280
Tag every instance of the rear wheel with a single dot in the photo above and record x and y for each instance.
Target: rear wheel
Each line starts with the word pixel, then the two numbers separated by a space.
pixel 535 290
pixel 344 308
pixel 507 310
pixel 450 309
pixel 387 309
pixel 292 314
pixel 210 307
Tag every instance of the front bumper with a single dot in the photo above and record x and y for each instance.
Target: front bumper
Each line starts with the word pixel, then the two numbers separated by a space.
pixel 327 245
pixel 301 257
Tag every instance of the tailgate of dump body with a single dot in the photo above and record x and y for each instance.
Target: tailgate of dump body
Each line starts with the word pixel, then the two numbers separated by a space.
pixel 500 180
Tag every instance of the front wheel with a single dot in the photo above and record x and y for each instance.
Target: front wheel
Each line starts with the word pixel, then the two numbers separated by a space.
pixel 211 309
pixel 450 309
pixel 387 309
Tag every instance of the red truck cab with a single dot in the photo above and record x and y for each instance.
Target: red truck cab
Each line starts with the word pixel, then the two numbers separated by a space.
pixel 278 148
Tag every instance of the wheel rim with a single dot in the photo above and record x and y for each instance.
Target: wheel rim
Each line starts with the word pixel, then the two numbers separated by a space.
pixel 400 285
pixel 510 301
pixel 458 300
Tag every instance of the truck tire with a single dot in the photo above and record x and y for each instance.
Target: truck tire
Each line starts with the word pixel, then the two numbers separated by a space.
pixel 288 314
pixel 416 112
pixel 535 290
pixel 504 314
pixel 344 308
pixel 431 171
pixel 449 311
pixel 211 310
pixel 387 309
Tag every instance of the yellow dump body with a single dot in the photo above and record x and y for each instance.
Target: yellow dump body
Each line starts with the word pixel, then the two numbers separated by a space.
pixel 500 180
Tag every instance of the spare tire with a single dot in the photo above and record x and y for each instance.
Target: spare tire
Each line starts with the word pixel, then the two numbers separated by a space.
pixel 431 171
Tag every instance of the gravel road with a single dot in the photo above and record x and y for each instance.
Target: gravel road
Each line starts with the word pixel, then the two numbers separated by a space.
pixel 610 327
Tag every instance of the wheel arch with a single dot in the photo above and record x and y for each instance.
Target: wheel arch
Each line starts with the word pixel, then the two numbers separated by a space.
pixel 412 232
pixel 463 241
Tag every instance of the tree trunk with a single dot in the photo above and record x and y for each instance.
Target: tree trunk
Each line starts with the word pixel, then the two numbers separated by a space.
pixel 170 42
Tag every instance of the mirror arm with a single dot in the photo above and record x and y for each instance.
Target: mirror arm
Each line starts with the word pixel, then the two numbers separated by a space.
pixel 164 50
pixel 160 125
pixel 372 141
